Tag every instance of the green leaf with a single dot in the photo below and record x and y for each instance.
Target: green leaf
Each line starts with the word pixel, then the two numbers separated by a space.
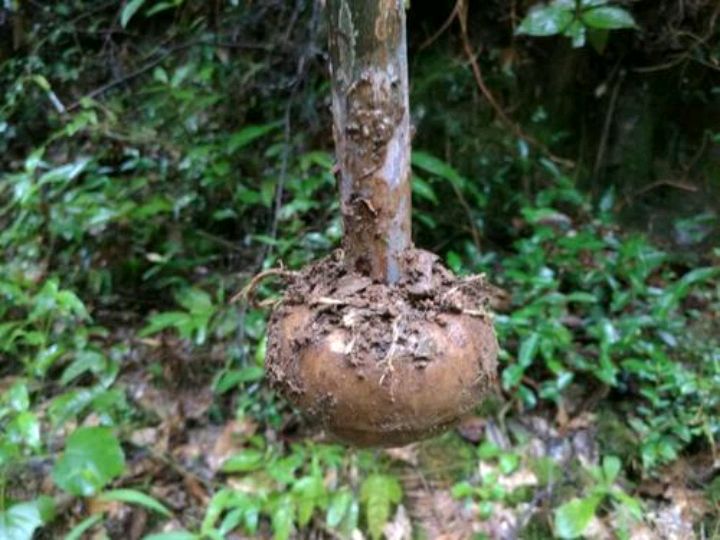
pixel 167 319
pixel 245 461
pixel 309 494
pixel 71 303
pixel 339 505
pixel 282 518
pixel 631 504
pixel 77 532
pixel 546 21
pixel 92 458
pixel 678 290
pixel 528 348
pixel 573 517
pixel 379 492
pixel 85 361
pixel 220 501
pixel 611 468
pixel 194 300
pixel 576 32
pixel 248 134
pixel 234 377
pixel 129 10
pixel 437 167
pixel 172 535
pixel 18 397
pixel 132 496
pixel 462 490
pixel 608 18
pixel 508 463
pixel 46 506
pixel 25 428
pixel 512 375
pixel 20 521
pixel 423 190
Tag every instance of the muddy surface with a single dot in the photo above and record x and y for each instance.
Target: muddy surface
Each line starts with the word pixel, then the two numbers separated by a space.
pixel 409 357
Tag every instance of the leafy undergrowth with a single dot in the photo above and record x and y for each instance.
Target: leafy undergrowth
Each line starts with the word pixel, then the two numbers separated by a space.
pixel 163 428
pixel 132 400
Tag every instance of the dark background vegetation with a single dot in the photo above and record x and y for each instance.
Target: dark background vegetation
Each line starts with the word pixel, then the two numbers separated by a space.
pixel 153 161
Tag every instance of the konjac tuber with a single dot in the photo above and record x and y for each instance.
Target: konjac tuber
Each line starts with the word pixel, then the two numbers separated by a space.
pixel 379 342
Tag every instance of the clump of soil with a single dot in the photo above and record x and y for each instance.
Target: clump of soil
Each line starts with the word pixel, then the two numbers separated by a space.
pixel 380 364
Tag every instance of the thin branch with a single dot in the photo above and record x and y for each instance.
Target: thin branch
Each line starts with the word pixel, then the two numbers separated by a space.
pixel 247 291
pixel 600 158
pixel 485 91
pixel 151 64
pixel 453 14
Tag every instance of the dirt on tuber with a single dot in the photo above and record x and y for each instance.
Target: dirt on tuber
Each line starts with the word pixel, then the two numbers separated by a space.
pixel 378 364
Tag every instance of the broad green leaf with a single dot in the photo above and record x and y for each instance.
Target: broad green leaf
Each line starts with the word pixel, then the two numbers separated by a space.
pixel 576 32
pixel 611 468
pixel 512 375
pixel 508 463
pixel 437 167
pixel 462 490
pixel 220 501
pixel 70 404
pixel 85 361
pixel 309 494
pixel 423 189
pixel 20 521
pixel 132 496
pixel 161 321
pixel 248 134
pixel 244 461
pixel 339 505
pixel 631 504
pixel 232 378
pixel 46 506
pixel 678 290
pixel 129 10
pixel 194 300
pixel 25 428
pixel 573 517
pixel 379 493
pixel 64 174
pixel 162 6
pixel 172 535
pixel 92 458
pixel 42 82
pixel 78 531
pixel 18 397
pixel 607 18
pixel 528 348
pixel 282 518
pixel 546 21
pixel 8 452
pixel 70 303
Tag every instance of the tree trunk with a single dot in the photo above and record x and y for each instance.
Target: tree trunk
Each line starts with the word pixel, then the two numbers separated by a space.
pixel 372 132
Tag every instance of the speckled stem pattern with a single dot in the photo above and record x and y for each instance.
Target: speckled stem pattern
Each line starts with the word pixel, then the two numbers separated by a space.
pixel 372 132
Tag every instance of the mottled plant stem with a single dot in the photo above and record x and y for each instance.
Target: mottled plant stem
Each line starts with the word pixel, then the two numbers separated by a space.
pixel 372 132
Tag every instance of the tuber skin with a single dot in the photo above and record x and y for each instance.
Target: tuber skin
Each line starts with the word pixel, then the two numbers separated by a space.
pixel 380 365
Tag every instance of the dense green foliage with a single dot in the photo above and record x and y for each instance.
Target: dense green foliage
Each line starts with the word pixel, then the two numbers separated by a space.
pixel 155 155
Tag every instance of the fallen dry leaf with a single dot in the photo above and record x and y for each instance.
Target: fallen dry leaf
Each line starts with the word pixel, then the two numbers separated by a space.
pixel 472 429
pixel 231 440
pixel 399 528
pixel 404 454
